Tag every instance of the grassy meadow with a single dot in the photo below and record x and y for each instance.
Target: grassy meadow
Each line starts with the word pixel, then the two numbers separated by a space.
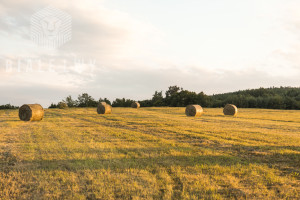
pixel 150 153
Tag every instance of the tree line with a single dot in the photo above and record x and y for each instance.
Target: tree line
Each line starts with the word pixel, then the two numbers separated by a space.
pixel 272 98
pixel 8 106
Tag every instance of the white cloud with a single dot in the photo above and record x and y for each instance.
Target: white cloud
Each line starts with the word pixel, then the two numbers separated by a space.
pixel 126 52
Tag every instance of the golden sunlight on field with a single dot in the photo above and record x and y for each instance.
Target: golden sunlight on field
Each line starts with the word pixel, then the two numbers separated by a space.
pixel 150 153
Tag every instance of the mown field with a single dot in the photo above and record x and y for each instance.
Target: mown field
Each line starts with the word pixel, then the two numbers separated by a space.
pixel 150 153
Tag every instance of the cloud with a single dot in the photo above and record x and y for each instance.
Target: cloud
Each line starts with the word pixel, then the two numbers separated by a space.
pixel 104 37
pixel 136 84
pixel 119 57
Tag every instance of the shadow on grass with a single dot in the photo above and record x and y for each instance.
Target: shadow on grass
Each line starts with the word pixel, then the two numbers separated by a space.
pixel 122 163
pixel 288 163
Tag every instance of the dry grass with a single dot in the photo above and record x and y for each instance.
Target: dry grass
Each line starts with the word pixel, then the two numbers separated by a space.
pixel 31 112
pixel 62 105
pixel 104 108
pixel 135 105
pixel 150 153
pixel 230 109
pixel 193 110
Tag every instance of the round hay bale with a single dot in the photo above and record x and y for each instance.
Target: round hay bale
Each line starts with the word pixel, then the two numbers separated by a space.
pixel 135 105
pixel 62 105
pixel 230 109
pixel 31 112
pixel 194 110
pixel 104 108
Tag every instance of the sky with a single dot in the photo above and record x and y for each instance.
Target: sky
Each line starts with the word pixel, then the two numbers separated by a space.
pixel 117 48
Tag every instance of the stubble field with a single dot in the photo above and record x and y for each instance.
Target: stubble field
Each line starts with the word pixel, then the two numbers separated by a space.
pixel 150 153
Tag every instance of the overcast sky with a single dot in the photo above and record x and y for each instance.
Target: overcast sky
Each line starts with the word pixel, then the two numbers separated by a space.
pixel 132 48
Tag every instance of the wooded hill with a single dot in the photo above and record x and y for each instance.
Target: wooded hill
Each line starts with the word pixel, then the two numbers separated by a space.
pixel 272 98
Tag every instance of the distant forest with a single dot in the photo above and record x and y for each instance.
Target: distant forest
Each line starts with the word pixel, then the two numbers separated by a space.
pixel 8 106
pixel 271 98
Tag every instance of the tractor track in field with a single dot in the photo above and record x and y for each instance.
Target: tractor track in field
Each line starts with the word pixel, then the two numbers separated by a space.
pixel 177 188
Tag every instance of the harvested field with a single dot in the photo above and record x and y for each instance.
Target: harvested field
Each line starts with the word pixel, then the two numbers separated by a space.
pixel 150 153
